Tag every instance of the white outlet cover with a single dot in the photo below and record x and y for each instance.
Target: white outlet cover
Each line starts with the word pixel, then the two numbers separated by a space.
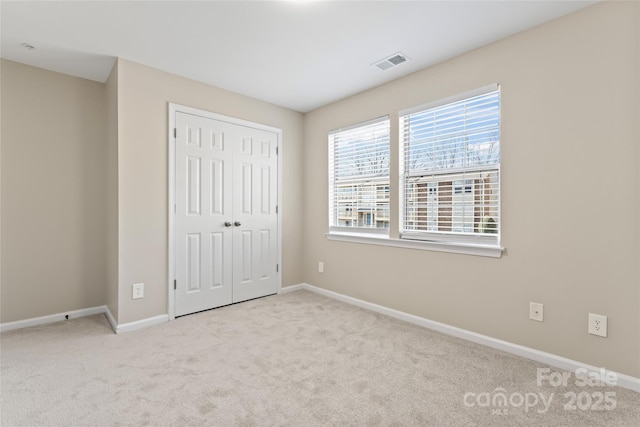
pixel 597 325
pixel 137 291
pixel 536 311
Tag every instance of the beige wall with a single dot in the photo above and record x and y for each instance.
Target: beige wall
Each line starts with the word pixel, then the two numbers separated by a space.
pixel 53 187
pixel 144 94
pixel 570 139
pixel 84 187
pixel 111 201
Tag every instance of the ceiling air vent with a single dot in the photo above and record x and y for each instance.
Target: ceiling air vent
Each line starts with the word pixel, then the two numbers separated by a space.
pixel 391 61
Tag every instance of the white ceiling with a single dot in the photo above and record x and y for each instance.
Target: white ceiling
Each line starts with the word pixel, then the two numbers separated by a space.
pixel 300 55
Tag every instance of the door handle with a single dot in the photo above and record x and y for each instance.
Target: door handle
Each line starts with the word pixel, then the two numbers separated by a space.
pixel 227 224
pixel 237 224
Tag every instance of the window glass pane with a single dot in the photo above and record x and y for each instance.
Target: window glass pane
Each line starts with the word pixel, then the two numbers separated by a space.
pixel 359 176
pixel 451 156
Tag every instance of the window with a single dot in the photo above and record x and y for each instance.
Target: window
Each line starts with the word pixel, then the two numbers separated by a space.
pixel 450 169
pixel 449 178
pixel 359 178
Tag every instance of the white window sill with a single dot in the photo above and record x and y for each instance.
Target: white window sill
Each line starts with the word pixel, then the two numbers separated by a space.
pixel 457 248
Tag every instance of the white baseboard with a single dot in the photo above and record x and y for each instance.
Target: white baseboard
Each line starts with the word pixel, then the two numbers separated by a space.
pixel 292 288
pixel 74 314
pixel 111 319
pixel 141 324
pixel 52 318
pixel 624 381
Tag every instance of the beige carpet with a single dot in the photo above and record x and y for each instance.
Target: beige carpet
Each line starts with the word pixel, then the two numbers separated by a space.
pixel 297 359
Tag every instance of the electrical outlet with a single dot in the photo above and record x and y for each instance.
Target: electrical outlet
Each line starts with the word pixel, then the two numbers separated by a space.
pixel 598 325
pixel 320 267
pixel 536 311
pixel 137 291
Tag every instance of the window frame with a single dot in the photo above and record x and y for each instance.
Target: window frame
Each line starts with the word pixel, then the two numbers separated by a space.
pixel 394 236
pixel 373 181
pixel 444 237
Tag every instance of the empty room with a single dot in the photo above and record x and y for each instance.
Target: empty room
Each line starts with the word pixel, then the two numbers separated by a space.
pixel 320 213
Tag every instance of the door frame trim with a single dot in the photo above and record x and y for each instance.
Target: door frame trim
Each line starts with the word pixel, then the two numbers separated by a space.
pixel 171 187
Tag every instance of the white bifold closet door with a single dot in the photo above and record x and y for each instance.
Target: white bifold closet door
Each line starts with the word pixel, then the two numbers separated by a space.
pixel 226 220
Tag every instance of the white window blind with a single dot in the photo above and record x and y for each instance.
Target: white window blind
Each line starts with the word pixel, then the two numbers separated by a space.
pixel 451 170
pixel 359 178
